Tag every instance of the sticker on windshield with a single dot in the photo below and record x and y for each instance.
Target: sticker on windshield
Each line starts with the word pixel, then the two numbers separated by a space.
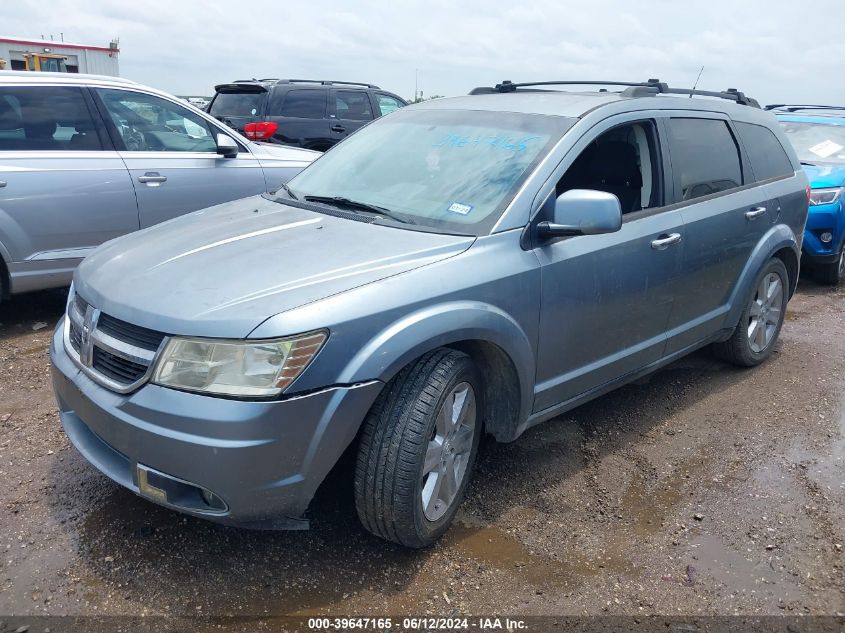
pixel 462 209
pixel 826 148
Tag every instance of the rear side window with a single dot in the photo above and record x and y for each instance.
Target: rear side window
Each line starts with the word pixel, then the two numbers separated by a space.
pixel 705 157
pixel 303 104
pixel 353 105
pixel 237 103
pixel 387 104
pixel 39 118
pixel 767 156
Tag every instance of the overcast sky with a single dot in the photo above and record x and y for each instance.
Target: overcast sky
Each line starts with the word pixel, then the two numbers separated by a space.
pixel 775 50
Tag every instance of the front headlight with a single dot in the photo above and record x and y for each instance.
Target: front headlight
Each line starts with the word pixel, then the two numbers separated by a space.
pixel 236 367
pixel 825 196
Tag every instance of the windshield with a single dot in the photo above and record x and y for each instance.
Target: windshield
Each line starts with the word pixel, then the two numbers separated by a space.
pixel 452 171
pixel 817 142
pixel 237 103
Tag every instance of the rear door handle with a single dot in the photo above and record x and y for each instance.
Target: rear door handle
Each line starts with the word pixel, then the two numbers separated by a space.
pixel 152 178
pixel 338 128
pixel 665 241
pixel 2 183
pixel 756 212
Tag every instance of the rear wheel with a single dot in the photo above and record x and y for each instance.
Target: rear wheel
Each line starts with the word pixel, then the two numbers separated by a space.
pixel 418 448
pixel 754 337
pixel 832 274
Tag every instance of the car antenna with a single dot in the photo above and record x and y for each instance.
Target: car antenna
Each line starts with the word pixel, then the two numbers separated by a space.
pixel 695 85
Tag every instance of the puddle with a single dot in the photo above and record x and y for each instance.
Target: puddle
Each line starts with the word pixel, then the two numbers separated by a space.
pixel 502 550
pixel 714 559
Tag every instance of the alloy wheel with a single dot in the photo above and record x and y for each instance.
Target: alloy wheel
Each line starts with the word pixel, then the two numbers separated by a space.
pixel 765 312
pixel 448 451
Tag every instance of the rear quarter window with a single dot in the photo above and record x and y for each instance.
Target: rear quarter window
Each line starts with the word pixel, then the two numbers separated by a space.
pixel 767 156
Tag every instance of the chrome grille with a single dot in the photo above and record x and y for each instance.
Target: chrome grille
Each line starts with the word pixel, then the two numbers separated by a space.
pixel 114 353
pixel 123 371
pixel 135 334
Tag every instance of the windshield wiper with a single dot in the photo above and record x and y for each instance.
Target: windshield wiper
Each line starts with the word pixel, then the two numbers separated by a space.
pixel 804 162
pixel 288 191
pixel 340 201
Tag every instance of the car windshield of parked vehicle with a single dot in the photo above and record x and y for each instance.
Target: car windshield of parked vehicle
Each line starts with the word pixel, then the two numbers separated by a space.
pixel 236 103
pixel 451 171
pixel 817 142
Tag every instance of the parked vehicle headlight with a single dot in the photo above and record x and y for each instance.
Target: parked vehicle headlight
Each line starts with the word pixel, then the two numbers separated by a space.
pixel 825 196
pixel 236 367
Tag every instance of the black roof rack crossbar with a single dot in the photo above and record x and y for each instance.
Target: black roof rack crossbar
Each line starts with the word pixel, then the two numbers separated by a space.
pixel 509 86
pixel 732 94
pixel 632 89
pixel 795 107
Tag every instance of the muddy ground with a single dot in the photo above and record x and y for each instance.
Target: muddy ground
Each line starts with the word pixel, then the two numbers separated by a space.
pixel 702 489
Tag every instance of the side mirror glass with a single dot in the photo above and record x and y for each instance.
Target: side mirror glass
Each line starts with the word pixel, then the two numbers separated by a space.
pixel 227 147
pixel 583 212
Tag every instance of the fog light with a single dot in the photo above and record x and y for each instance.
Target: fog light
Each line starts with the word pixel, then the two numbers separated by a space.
pixel 826 237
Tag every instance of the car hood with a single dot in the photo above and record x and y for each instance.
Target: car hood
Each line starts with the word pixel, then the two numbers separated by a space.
pixel 821 176
pixel 223 270
pixel 274 152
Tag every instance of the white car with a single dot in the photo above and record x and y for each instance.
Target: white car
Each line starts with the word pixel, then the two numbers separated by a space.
pixel 85 158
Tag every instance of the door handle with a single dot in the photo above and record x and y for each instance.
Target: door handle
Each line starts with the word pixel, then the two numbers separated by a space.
pixel 338 128
pixel 152 178
pixel 2 183
pixel 665 241
pixel 756 212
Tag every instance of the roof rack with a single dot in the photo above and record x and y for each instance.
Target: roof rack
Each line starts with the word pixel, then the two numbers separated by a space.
pixel 647 88
pixel 322 82
pixel 327 82
pixel 796 107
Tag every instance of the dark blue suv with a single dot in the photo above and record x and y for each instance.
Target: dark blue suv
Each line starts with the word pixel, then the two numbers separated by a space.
pixel 818 135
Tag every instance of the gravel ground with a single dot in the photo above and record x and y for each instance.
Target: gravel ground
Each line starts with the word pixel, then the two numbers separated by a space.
pixel 702 489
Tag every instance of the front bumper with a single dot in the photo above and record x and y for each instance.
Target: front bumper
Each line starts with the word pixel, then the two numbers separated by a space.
pixel 263 459
pixel 829 217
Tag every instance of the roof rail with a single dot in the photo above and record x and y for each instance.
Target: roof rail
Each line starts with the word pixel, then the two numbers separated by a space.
pixel 647 88
pixel 327 82
pixel 795 107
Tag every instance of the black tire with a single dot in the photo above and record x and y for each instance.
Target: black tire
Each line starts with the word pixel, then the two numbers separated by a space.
pixel 738 348
pixel 395 437
pixel 833 273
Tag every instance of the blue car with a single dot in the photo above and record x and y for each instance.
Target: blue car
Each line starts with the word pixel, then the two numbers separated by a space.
pixel 818 135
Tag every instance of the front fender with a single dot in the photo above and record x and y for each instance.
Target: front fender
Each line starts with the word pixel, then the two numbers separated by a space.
pixel 435 326
pixel 777 238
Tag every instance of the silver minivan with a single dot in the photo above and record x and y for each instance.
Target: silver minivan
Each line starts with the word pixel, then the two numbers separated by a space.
pixel 84 159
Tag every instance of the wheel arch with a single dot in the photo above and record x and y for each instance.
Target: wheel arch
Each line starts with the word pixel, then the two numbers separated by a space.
pixel 780 242
pixel 493 339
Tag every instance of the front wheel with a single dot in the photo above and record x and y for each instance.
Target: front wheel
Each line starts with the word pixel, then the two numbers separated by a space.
pixel 418 448
pixel 757 331
pixel 833 273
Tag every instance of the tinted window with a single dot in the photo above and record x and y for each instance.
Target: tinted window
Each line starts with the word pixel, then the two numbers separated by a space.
pixel 304 104
pixel 387 104
pixel 704 156
pixel 767 156
pixel 147 123
pixel 353 105
pixel 237 103
pixel 46 118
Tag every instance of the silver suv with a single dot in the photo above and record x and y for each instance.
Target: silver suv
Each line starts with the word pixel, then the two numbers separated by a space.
pixel 84 159
pixel 460 266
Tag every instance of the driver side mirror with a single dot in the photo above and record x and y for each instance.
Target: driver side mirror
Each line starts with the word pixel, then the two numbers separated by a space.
pixel 227 147
pixel 583 212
